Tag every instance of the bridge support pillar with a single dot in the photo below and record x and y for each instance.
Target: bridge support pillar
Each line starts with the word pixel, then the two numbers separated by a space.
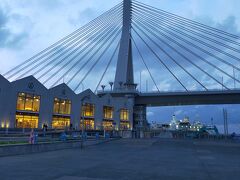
pixel 124 78
pixel 140 120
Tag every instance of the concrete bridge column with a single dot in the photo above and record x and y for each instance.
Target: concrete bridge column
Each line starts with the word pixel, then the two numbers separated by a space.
pixel 140 120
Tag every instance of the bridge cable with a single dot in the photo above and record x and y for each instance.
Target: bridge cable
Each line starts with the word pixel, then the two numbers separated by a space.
pixel 160 60
pixel 165 52
pixel 109 63
pixel 197 28
pixel 201 49
pixel 89 51
pixel 188 21
pixel 181 27
pixel 88 43
pixel 72 45
pixel 88 60
pixel 144 62
pixel 186 58
pixel 94 37
pixel 203 59
pixel 41 61
pixel 61 40
pixel 90 48
pixel 99 58
pixel 191 61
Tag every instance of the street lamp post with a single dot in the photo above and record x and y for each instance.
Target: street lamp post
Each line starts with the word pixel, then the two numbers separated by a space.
pixel 111 85
pixel 103 87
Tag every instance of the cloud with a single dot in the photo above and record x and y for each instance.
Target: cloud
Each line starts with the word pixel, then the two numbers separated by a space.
pixel 206 64
pixel 178 112
pixel 65 16
pixel 8 38
pixel 229 25
pixel 4 32
pixel 34 25
pixel 150 113
pixel 83 16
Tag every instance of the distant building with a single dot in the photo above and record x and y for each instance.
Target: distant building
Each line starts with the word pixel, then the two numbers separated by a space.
pixel 174 123
pixel 185 125
pixel 196 126
pixel 158 126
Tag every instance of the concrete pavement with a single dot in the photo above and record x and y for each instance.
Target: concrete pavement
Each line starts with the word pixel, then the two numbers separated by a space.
pixel 129 159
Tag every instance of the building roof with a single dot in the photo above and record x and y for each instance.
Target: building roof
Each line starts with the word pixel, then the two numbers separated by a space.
pixel 88 95
pixel 29 83
pixel 3 80
pixel 62 90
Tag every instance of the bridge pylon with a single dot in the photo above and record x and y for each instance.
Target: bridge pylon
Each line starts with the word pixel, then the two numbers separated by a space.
pixel 124 78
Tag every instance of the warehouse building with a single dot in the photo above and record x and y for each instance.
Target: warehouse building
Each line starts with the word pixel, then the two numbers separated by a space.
pixel 5 88
pixel 26 103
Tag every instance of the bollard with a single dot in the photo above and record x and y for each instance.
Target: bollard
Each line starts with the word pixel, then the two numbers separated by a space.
pixel 63 136
pixel 35 138
pixel 97 136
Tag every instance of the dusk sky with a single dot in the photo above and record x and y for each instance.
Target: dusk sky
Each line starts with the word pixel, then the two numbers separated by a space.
pixel 28 26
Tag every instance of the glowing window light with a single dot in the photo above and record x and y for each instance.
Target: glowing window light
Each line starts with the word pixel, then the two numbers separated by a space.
pixel 62 106
pixel 124 114
pixel 28 102
pixel 108 112
pixel 88 110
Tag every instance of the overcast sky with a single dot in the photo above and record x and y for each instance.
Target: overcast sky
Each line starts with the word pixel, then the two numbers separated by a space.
pixel 28 26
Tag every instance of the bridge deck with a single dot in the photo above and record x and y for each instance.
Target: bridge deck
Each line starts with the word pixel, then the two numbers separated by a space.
pixel 188 98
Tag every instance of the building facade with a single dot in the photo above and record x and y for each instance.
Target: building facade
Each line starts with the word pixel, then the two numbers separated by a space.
pixel 26 103
pixel 5 87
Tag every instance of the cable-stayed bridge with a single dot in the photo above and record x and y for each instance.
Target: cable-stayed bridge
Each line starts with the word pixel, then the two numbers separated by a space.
pixel 201 61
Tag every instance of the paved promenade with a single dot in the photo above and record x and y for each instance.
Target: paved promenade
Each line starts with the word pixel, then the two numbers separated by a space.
pixel 129 159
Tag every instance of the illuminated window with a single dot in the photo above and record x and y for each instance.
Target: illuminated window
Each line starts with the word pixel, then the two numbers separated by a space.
pixel 60 122
pixel 108 112
pixel 62 106
pixel 88 124
pixel 21 102
pixel 124 125
pixel 124 115
pixel 2 124
pixel 88 110
pixel 26 121
pixel 28 102
pixel 107 125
